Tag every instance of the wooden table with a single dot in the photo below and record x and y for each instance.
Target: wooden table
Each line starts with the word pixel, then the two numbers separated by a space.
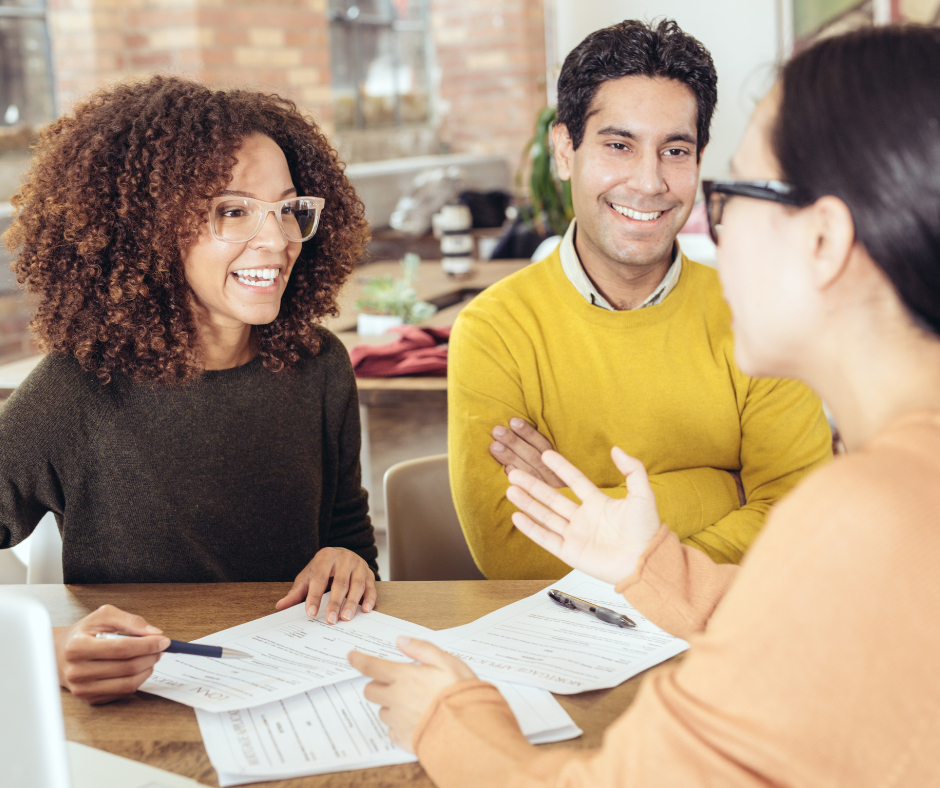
pixel 165 734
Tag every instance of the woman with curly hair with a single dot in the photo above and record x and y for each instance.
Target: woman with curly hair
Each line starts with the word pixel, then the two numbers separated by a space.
pixel 192 421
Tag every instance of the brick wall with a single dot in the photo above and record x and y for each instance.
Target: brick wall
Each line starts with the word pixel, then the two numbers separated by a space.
pixel 278 45
pixel 489 56
pixel 491 59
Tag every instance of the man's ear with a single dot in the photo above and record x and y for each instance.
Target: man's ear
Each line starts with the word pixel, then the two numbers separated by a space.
pixel 833 239
pixel 561 141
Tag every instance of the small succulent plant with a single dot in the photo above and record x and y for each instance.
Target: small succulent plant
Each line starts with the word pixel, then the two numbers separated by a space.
pixel 390 295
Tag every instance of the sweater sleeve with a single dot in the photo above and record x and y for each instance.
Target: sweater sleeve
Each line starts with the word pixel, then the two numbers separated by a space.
pixel 784 436
pixel 484 388
pixel 675 586
pixel 35 436
pixel 350 524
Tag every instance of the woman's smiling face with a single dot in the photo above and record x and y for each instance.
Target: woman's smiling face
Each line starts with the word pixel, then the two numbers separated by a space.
pixel 238 285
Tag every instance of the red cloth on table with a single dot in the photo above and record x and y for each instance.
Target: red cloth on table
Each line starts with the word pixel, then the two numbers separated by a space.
pixel 419 351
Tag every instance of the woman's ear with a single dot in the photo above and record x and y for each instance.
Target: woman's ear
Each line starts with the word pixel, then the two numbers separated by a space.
pixel 833 239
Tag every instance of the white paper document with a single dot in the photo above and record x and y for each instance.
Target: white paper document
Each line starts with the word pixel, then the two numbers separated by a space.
pixel 292 653
pixel 536 642
pixel 335 728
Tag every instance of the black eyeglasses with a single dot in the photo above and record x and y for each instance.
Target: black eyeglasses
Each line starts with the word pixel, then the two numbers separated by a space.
pixel 718 192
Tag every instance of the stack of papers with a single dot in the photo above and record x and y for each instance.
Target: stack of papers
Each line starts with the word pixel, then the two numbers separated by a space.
pixel 297 707
pixel 334 729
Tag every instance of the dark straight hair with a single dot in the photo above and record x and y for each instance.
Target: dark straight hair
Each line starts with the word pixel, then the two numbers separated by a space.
pixel 633 48
pixel 860 120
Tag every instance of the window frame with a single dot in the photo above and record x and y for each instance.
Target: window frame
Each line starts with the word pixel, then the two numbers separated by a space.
pixel 355 24
pixel 38 10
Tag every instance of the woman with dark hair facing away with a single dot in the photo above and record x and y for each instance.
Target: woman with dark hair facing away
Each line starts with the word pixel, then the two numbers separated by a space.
pixel 814 663
pixel 192 422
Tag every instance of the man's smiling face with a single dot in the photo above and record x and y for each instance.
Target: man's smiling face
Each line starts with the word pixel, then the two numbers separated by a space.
pixel 634 176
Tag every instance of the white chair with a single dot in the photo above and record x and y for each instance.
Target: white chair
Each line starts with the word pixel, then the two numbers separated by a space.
pixel 425 540
pixel 12 570
pixel 45 552
pixel 41 553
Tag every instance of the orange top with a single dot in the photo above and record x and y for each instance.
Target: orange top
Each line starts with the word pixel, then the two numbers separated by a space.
pixel 815 663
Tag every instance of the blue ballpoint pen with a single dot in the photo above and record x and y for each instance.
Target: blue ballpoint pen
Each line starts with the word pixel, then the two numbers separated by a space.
pixel 182 647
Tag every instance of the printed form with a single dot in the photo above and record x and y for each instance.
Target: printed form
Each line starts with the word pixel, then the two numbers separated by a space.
pixel 335 728
pixel 292 653
pixel 536 642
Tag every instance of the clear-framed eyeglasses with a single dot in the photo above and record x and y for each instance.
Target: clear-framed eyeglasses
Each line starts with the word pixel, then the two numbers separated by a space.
pixel 239 219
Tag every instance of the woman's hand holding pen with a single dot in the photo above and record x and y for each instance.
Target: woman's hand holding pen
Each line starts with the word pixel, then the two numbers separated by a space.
pixel 405 690
pixel 602 536
pixel 99 671
pixel 352 581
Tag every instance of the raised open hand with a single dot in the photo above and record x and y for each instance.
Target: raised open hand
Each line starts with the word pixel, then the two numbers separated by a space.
pixel 602 536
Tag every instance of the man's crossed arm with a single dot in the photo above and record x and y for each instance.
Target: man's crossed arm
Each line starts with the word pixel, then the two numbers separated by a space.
pixel 519 445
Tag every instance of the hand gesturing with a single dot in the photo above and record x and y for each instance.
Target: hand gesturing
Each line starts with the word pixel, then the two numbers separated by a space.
pixel 602 536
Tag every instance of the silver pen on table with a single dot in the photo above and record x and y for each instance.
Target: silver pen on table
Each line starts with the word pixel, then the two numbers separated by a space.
pixel 182 647
pixel 604 614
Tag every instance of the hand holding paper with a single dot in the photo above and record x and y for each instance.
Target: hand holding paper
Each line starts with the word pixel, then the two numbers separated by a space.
pixel 405 691
pixel 602 536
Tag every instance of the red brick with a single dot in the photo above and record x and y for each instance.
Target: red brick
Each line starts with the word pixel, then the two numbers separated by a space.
pixel 150 60
pixel 217 56
pixel 231 36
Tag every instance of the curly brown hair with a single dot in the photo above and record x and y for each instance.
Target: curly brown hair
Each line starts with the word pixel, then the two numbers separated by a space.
pixel 120 187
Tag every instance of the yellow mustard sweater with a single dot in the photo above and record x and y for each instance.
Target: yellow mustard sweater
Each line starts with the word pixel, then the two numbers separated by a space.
pixel 660 382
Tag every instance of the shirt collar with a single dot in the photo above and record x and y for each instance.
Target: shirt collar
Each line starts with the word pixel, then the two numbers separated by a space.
pixel 573 269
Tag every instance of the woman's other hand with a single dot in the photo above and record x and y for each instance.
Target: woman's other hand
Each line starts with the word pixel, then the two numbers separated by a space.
pixel 99 671
pixel 352 581
pixel 405 690
pixel 602 536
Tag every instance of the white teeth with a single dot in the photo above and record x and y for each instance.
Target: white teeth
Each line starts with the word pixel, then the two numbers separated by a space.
pixel 261 277
pixel 640 217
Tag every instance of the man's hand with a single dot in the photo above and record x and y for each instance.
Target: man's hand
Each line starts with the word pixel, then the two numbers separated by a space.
pixel 99 671
pixel 521 448
pixel 405 690
pixel 352 581
pixel 603 536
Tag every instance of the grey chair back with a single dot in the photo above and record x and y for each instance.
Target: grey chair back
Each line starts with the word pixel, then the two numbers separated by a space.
pixel 424 536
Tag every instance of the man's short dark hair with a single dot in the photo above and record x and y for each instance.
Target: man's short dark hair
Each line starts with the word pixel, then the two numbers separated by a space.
pixel 633 48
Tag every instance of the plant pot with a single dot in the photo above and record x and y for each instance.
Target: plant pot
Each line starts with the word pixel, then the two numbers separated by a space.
pixel 376 325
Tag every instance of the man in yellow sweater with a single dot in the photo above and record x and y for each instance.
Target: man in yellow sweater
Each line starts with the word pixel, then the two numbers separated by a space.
pixel 617 338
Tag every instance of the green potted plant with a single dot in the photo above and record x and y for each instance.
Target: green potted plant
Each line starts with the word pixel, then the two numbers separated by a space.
pixel 389 301
pixel 550 210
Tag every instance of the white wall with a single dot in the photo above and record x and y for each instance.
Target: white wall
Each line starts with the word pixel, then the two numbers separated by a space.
pixel 742 35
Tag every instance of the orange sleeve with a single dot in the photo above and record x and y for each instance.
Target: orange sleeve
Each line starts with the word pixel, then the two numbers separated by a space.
pixel 675 586
pixel 471 721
